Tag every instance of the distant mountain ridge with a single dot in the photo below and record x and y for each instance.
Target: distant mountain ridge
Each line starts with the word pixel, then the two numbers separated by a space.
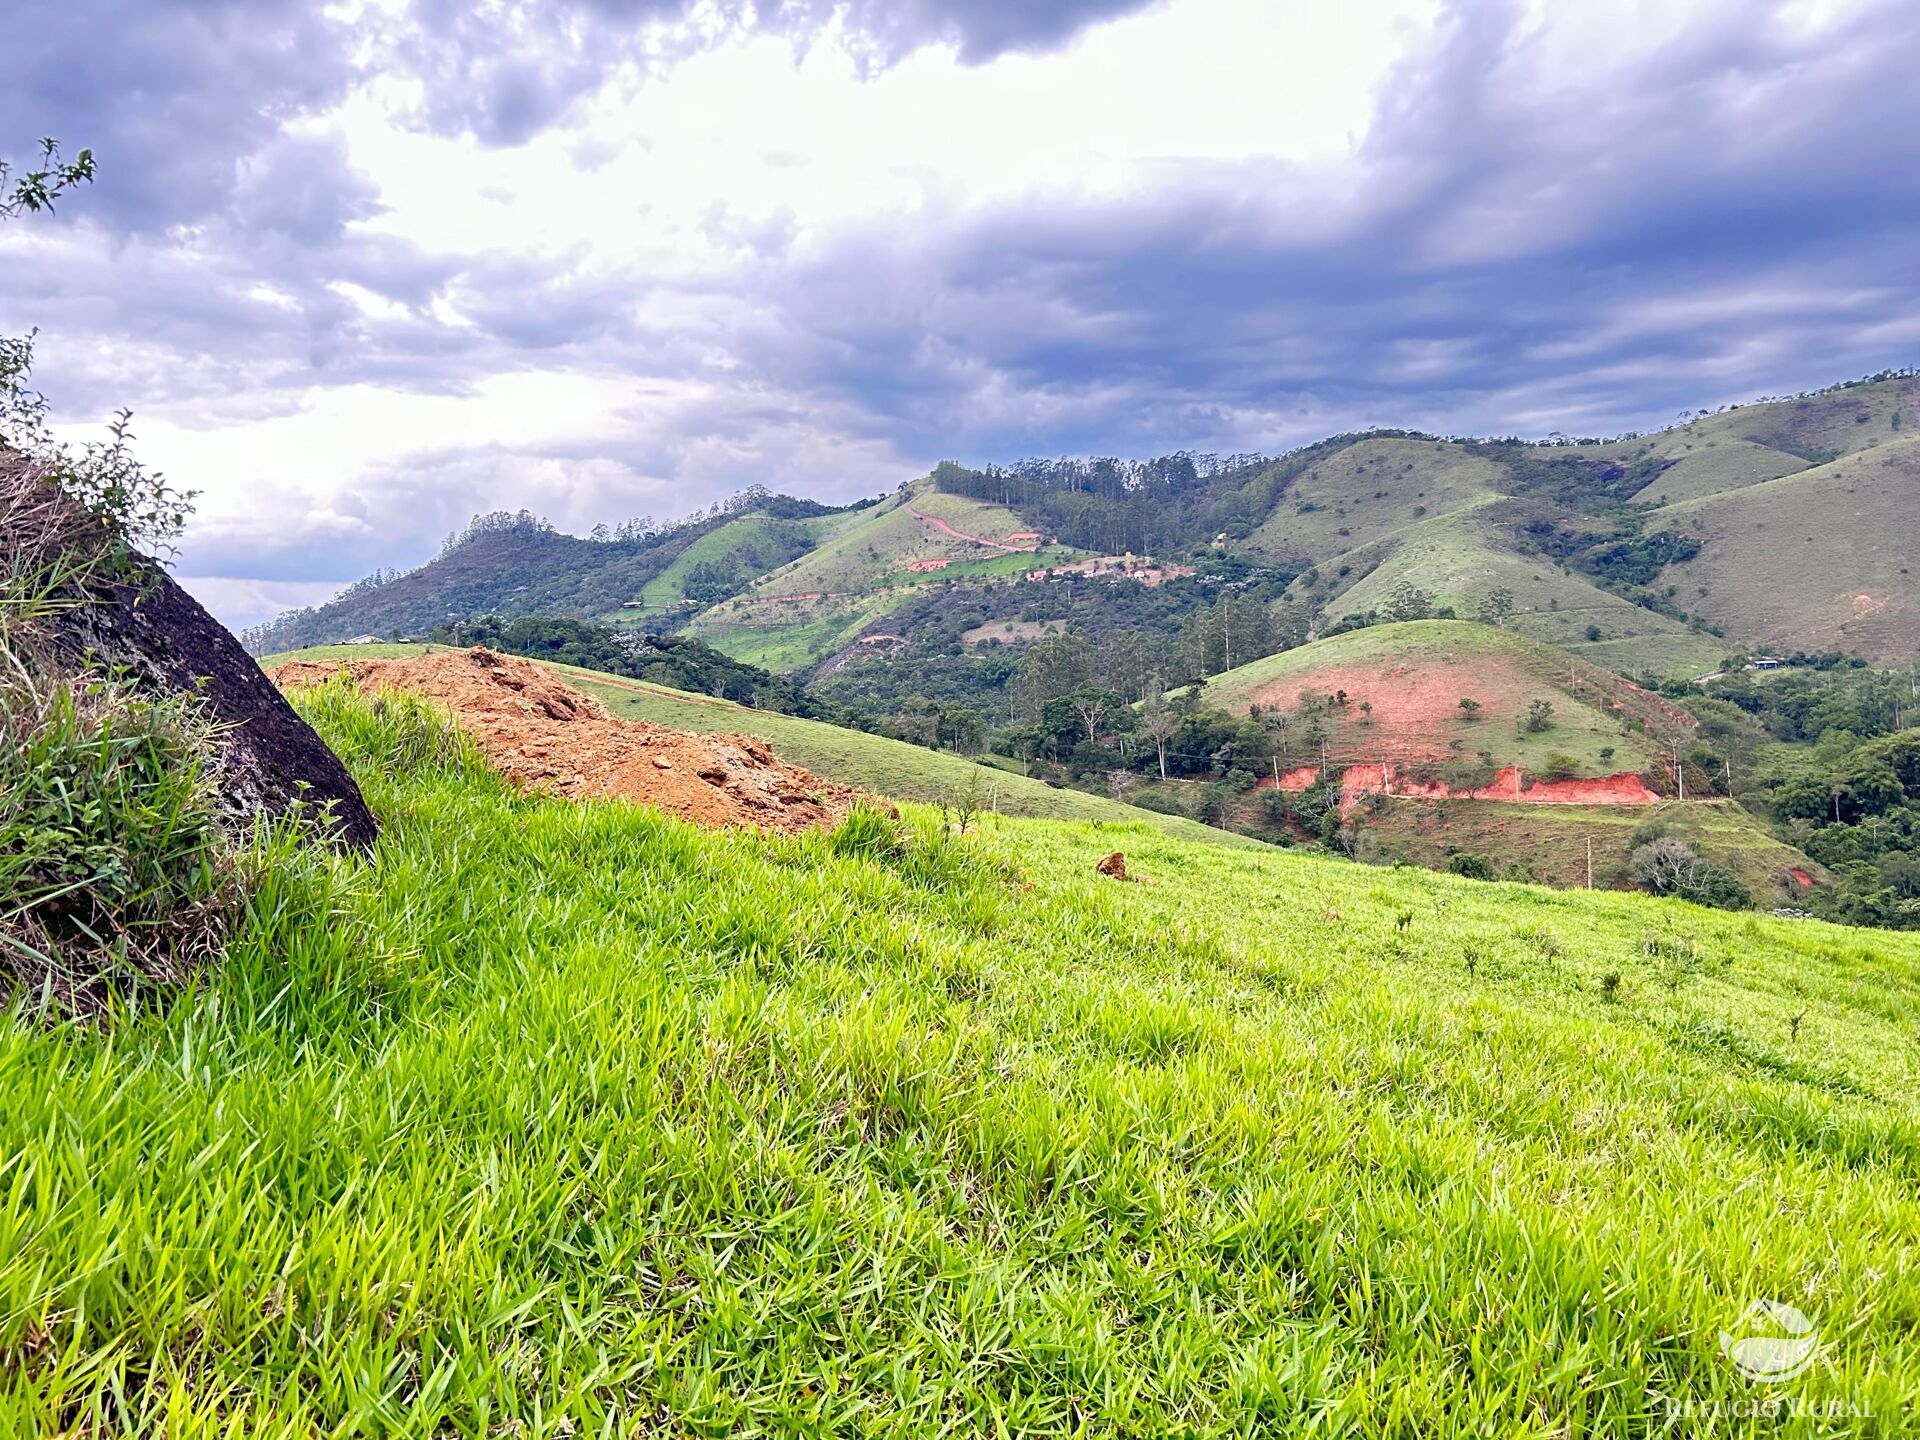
pixel 1783 524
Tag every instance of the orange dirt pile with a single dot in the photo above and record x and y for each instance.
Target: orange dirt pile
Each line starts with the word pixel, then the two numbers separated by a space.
pixel 542 734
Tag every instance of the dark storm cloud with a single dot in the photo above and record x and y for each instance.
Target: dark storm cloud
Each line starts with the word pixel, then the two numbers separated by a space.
pixel 508 71
pixel 979 30
pixel 176 92
pixel 1525 242
pixel 1737 216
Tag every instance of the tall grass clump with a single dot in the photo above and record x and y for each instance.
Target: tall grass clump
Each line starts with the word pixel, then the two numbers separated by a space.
pixel 114 863
pixel 117 871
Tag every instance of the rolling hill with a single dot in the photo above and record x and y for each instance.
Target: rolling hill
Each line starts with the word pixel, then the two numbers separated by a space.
pixel 556 1119
pixel 1820 559
pixel 1403 684
pixel 1424 780
pixel 1782 524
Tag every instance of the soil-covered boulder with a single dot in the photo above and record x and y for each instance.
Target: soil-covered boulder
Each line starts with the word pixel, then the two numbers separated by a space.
pixel 159 639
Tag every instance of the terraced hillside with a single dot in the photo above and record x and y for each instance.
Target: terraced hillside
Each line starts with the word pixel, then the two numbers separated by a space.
pixel 801 613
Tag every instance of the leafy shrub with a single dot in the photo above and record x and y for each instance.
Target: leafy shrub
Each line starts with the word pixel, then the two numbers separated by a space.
pixel 1473 867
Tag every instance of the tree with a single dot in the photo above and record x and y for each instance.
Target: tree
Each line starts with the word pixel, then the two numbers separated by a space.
pixel 1469 708
pixel 1497 607
pixel 1090 707
pixel 1054 665
pixel 1127 662
pixel 1407 602
pixel 1160 724
pixel 1666 866
pixel 1539 717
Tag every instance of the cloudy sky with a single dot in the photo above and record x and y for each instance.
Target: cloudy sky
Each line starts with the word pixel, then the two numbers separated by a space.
pixel 366 268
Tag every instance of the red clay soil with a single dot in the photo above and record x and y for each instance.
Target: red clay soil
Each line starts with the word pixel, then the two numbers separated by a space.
pixel 1511 784
pixel 544 735
pixel 1416 704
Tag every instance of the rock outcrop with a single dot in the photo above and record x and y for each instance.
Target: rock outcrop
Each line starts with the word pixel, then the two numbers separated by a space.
pixel 161 641
pixel 132 623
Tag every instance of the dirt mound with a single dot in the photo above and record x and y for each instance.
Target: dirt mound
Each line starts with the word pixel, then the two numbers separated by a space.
pixel 543 734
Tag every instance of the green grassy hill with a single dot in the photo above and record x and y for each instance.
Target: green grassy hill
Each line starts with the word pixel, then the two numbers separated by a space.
pixel 1368 492
pixel 800 613
pixel 1414 674
pixel 572 1120
pixel 1454 559
pixel 748 546
pixel 875 763
pixel 1822 559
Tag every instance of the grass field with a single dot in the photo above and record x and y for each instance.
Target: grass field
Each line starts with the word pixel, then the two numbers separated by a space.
pixel 1710 466
pixel 1818 560
pixel 571 1120
pixel 875 763
pixel 1552 841
pixel 1369 491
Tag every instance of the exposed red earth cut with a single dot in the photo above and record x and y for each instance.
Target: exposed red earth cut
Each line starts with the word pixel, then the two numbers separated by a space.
pixel 544 735
pixel 1509 783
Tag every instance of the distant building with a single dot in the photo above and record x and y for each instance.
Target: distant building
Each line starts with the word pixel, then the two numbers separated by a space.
pixel 363 640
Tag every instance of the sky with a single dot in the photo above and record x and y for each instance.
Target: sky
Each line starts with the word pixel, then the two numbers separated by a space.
pixel 362 270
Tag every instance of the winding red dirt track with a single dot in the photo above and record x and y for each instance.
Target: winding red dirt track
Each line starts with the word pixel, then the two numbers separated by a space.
pixel 946 529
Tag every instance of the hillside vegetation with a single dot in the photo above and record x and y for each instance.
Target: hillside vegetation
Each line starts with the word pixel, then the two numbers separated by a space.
pixel 1777 525
pixel 1822 559
pixel 570 1120
pixel 1396 694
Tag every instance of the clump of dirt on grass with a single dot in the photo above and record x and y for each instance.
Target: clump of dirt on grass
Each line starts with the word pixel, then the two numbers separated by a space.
pixel 544 735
